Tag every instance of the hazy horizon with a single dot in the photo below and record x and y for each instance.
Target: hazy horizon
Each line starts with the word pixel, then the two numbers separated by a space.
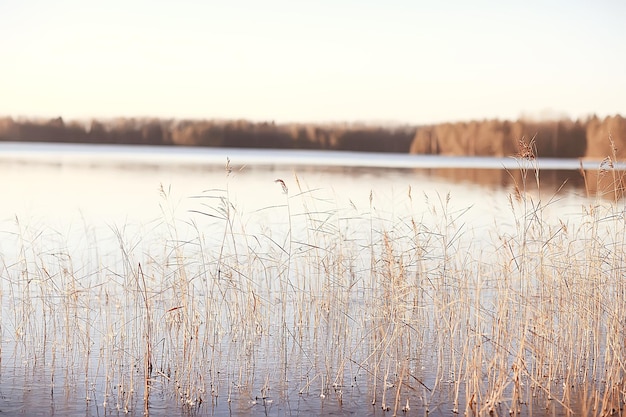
pixel 329 62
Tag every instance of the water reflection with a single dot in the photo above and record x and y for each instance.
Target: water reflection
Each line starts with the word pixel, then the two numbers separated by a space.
pixel 195 290
pixel 590 176
pixel 549 180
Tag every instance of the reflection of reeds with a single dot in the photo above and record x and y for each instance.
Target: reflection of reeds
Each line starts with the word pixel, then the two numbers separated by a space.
pixel 608 181
pixel 346 306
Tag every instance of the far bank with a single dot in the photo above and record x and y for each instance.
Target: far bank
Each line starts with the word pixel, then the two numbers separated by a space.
pixel 591 138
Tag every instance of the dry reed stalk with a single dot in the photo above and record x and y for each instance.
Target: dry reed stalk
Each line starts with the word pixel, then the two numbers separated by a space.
pixel 399 384
pixel 142 289
pixel 528 324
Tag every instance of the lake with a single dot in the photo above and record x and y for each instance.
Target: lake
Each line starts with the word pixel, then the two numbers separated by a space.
pixel 194 281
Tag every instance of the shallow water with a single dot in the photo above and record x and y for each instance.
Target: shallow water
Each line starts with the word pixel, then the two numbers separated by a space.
pixel 253 298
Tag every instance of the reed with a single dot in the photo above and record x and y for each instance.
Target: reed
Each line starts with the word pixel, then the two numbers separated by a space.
pixel 396 302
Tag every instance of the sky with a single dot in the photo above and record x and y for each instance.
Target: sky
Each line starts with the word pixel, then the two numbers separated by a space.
pixel 400 62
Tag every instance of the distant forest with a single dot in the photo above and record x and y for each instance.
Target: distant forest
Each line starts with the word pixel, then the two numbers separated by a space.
pixel 563 138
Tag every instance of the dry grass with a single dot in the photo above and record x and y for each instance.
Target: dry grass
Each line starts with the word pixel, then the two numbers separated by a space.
pixel 409 310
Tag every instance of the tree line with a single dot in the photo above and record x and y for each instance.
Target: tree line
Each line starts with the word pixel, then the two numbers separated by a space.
pixel 563 138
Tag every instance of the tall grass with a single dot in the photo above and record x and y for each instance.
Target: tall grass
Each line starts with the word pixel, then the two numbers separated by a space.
pixel 401 304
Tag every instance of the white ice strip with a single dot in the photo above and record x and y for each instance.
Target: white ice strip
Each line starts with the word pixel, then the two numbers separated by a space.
pixel 62 153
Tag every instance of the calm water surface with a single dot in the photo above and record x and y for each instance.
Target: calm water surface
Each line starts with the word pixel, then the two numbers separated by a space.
pixel 114 183
pixel 96 213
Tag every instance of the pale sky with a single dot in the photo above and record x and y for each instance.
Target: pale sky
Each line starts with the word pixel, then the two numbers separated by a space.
pixel 288 61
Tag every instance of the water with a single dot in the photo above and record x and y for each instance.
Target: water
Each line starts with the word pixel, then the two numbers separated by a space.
pixel 246 297
pixel 114 182
pixel 203 157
